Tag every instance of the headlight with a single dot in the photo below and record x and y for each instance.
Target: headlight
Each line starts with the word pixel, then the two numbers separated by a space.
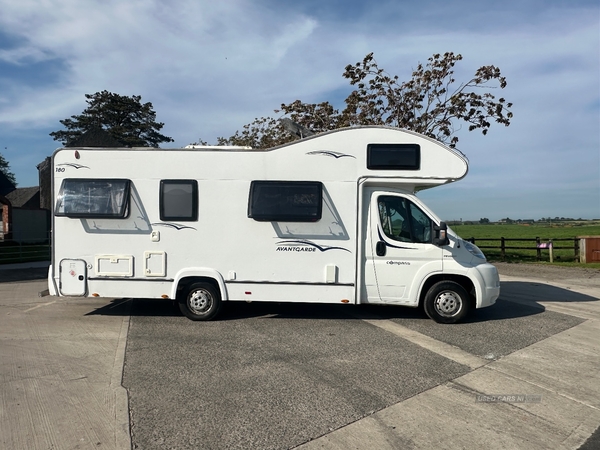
pixel 474 250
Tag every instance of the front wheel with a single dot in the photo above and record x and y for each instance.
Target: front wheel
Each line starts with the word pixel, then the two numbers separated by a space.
pixel 201 302
pixel 446 302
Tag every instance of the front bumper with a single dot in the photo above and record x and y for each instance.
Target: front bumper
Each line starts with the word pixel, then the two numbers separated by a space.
pixel 489 284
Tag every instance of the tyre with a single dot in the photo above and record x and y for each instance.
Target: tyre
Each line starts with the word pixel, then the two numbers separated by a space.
pixel 201 302
pixel 447 302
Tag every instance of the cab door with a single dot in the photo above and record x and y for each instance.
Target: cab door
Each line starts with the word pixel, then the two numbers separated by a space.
pixel 400 253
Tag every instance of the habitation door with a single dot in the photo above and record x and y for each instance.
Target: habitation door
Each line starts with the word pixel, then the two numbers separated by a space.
pixel 73 277
pixel 399 253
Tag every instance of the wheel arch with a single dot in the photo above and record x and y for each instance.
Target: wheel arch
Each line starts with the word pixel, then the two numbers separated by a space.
pixel 462 280
pixel 187 277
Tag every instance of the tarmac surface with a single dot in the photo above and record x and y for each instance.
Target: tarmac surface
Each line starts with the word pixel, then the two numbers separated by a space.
pixel 65 361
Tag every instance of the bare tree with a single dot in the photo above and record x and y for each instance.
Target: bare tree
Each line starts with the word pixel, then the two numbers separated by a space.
pixel 431 103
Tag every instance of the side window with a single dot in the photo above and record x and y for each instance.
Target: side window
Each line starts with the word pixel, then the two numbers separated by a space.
pixel 403 221
pixel 93 198
pixel 179 200
pixel 285 201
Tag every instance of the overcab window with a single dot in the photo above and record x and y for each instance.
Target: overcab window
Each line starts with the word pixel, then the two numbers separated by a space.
pixel 285 201
pixel 93 198
pixel 179 200
pixel 393 156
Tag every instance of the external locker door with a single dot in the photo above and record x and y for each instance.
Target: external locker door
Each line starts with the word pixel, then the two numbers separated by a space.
pixel 73 277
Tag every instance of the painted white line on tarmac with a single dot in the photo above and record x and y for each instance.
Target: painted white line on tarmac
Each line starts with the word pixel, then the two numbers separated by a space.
pixel 40 306
pixel 441 348
pixel 575 309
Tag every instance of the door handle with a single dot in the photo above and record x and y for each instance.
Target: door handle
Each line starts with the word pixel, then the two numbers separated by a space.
pixel 380 248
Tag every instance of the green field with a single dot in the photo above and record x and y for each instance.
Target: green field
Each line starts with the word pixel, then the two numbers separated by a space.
pixel 546 232
pixel 481 233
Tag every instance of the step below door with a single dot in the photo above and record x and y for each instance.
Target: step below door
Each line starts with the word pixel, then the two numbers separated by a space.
pixel 73 277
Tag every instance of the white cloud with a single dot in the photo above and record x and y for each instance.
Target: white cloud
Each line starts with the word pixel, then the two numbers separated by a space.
pixel 226 52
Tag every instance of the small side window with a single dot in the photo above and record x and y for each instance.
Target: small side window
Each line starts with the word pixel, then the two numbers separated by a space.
pixel 93 198
pixel 393 156
pixel 285 201
pixel 179 200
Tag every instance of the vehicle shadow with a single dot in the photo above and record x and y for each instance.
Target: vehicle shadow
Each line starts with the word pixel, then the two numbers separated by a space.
pixel 137 307
pixel 534 292
pixel 517 299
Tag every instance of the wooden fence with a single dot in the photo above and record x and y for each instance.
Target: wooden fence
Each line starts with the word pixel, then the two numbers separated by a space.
pixel 11 251
pixel 537 245
pixel 34 249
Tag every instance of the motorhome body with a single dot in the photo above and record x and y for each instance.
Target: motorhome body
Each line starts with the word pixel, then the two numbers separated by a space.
pixel 330 218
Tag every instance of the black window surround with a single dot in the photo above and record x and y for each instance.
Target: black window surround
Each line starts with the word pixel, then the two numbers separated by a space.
pixel 393 157
pixel 285 201
pixel 93 198
pixel 179 200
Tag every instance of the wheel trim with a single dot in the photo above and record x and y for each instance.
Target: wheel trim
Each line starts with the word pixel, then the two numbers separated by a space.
pixel 448 304
pixel 200 301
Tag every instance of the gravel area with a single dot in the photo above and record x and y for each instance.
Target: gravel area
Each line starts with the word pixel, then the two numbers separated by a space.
pixel 574 275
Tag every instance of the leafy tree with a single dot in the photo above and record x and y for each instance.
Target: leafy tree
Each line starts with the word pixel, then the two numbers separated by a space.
pixel 264 132
pixel 484 220
pixel 125 118
pixel 430 103
pixel 5 169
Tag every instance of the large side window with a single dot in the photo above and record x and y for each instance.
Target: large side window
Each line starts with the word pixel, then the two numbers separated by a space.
pixel 285 201
pixel 93 198
pixel 403 221
pixel 393 156
pixel 179 200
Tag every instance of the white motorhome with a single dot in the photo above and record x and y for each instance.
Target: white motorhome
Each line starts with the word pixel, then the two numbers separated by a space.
pixel 326 219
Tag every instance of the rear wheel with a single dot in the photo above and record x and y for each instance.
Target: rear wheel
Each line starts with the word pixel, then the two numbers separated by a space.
pixel 447 302
pixel 201 302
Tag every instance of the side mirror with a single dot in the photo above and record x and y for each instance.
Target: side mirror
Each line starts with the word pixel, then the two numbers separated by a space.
pixel 441 235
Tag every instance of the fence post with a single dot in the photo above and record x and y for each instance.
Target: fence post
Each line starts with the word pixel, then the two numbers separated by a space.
pixel 551 250
pixel 537 245
pixel 502 249
pixel 576 248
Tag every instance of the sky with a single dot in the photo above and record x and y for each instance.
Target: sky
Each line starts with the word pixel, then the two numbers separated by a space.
pixel 210 67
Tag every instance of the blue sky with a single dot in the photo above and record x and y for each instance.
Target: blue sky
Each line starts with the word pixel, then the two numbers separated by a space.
pixel 210 67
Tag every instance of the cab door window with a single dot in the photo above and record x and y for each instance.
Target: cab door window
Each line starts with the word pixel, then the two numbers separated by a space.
pixel 421 225
pixel 401 220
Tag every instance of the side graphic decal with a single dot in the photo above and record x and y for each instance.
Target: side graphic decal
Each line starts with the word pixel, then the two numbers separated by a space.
pixel 336 155
pixel 173 225
pixel 391 245
pixel 73 165
pixel 301 245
